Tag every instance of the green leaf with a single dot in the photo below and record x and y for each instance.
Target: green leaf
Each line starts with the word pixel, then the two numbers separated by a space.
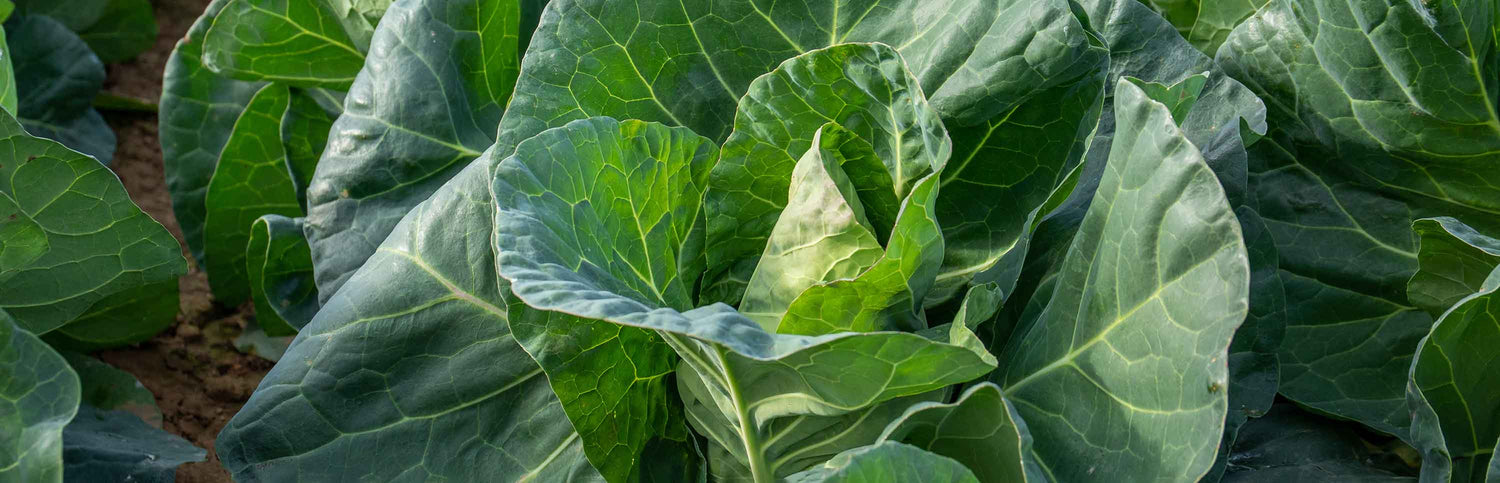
pixel 125 29
pixel 887 461
pixel 823 234
pixel 280 272
pixel 887 296
pixel 631 189
pixel 38 396
pixel 1179 98
pixel 198 111
pixel 1294 446
pixel 583 241
pixel 304 133
pixel 1380 116
pixel 439 77
pixel 123 318
pixel 253 340
pixel 8 99
pixel 1453 392
pixel 116 102
pixel 1452 262
pixel 106 388
pixel 297 42
pixel 981 429
pixel 1206 23
pixel 419 344
pixel 861 85
pixel 98 243
pixel 76 15
pixel 251 180
pixel 1145 302
pixel 57 77
pixel 103 445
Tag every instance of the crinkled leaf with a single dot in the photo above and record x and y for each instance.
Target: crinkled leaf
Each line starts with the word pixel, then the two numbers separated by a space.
pixel 251 180
pixel 123 31
pixel 438 77
pixel 57 77
pixel 1452 262
pixel 621 202
pixel 1381 114
pixel 104 445
pixel 1291 445
pixel 109 389
pixel 418 343
pixel 297 42
pixel 887 461
pixel 280 275
pixel 198 112
pixel 38 396
pixel 823 234
pixel 1454 391
pixel 1206 23
pixel 1140 318
pixel 981 429
pixel 98 243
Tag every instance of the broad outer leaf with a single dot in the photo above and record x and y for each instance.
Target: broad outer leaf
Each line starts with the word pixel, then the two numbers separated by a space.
pixel 76 15
pixel 627 262
pixel 123 31
pixel 623 200
pixel 1382 112
pixel 1290 445
pixel 297 42
pixel 1144 305
pixel 981 429
pixel 823 234
pixel 57 77
pixel 94 242
pixel 251 180
pixel 38 396
pixel 410 371
pixel 1454 391
pixel 109 389
pixel 1206 23
pixel 281 275
pixel 437 79
pixel 198 111
pixel 104 445
pixel 1452 262
pixel 887 461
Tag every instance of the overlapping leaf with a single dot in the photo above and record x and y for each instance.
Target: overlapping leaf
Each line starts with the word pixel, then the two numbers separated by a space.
pixel 1151 289
pixel 1453 261
pixel 411 371
pixel 297 42
pixel 56 78
pixel 887 461
pixel 1288 444
pixel 38 396
pixel 981 429
pixel 578 242
pixel 280 275
pixel 437 79
pixel 1379 116
pixel 1454 390
pixel 69 235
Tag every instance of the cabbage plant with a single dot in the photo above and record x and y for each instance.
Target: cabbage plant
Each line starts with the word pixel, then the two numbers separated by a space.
pixel 817 241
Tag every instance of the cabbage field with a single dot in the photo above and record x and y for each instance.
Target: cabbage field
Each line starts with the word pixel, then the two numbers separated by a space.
pixel 750 240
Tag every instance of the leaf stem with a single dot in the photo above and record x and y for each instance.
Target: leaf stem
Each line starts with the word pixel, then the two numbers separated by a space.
pixel 760 472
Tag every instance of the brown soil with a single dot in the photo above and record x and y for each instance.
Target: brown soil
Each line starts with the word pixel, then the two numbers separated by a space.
pixel 199 379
